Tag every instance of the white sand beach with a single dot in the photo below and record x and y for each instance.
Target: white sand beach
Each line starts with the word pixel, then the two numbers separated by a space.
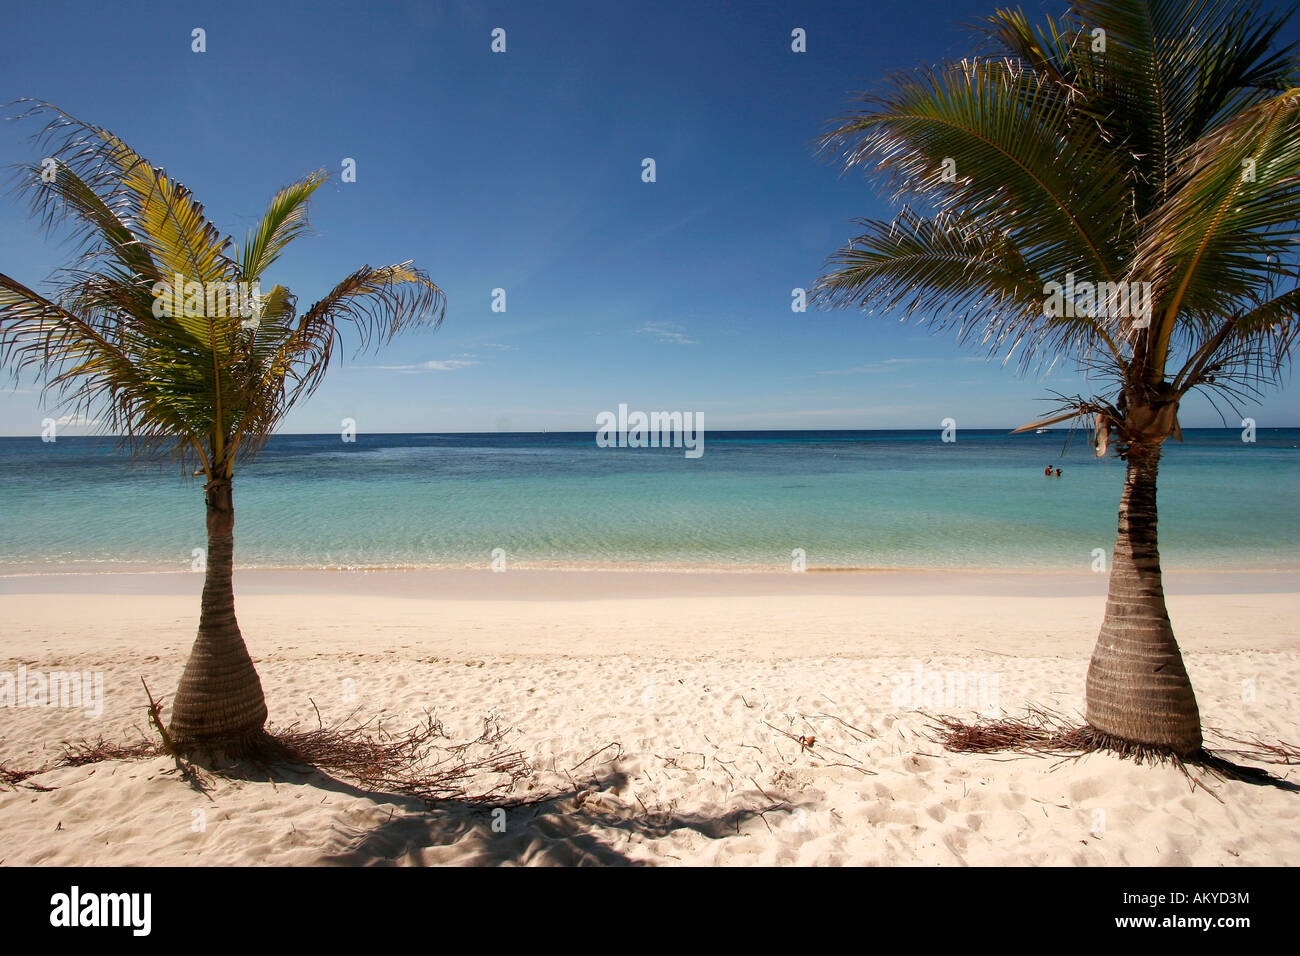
pixel 657 707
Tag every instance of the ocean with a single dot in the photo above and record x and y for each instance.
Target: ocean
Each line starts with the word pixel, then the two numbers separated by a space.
pixel 753 500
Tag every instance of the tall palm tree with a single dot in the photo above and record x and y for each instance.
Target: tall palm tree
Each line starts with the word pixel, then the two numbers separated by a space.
pixel 1130 141
pixel 201 375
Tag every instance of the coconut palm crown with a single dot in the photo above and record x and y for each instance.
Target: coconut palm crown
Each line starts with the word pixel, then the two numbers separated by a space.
pixel 1119 189
pixel 161 332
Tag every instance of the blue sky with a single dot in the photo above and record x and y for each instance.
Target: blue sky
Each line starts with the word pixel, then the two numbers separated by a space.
pixel 522 171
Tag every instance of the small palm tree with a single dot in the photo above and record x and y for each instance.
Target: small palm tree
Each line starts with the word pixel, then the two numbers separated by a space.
pixel 1151 145
pixel 152 332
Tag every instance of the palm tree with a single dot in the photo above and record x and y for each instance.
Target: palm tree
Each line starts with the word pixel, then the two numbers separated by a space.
pixel 1151 144
pixel 201 372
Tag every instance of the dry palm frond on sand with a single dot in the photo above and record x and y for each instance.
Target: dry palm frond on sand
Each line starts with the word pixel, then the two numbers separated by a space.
pixel 422 762
pixel 1042 732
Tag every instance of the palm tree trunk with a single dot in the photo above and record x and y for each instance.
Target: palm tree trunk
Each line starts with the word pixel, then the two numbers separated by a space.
pixel 220 704
pixel 1138 689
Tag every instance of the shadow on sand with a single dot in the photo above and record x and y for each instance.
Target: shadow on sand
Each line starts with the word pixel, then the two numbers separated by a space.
pixel 572 827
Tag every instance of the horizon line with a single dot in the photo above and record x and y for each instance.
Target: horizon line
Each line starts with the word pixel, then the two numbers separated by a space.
pixel 565 431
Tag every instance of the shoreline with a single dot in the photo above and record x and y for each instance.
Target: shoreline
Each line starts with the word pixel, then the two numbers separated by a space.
pixel 608 583
pixel 119 566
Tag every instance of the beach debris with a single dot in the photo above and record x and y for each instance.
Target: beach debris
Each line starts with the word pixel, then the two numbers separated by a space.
pixel 421 762
pixel 1256 748
pixel 1043 732
pixel 78 754
pixel 12 778
pixel 807 743
pixel 155 718
pixel 598 752
pixel 691 761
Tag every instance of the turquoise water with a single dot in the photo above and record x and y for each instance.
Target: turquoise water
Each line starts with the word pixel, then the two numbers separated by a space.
pixel 848 499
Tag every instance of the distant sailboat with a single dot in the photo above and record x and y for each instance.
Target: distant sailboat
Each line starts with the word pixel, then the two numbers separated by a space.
pixel 1041 431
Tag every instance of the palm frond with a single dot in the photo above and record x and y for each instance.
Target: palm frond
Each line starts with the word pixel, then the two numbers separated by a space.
pixel 1229 221
pixel 112 192
pixel 285 219
pixel 294 353
pixel 1147 142
pixel 141 333
pixel 1007 134
pixel 953 271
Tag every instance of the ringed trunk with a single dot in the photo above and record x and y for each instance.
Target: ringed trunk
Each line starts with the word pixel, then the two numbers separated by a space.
pixel 220 704
pixel 1138 690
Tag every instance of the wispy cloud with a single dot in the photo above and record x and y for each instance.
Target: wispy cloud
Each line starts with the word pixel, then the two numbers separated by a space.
pixel 76 419
pixel 438 365
pixel 872 368
pixel 874 413
pixel 445 365
pixel 668 332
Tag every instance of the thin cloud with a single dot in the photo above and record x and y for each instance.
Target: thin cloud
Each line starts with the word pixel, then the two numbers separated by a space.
pixel 446 365
pixel 870 413
pixel 76 419
pixel 438 365
pixel 873 368
pixel 667 332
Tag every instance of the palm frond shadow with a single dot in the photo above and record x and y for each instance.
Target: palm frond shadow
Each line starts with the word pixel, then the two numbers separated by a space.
pixel 432 808
pixel 561 828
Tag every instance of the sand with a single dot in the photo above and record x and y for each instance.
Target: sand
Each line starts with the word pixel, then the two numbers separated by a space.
pixel 655 711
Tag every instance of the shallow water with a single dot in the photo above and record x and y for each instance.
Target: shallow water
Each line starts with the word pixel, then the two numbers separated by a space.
pixel 847 499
